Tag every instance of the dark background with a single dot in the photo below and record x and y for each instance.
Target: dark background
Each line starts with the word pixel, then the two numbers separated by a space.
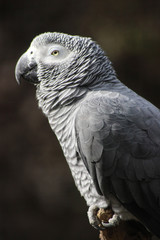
pixel 38 199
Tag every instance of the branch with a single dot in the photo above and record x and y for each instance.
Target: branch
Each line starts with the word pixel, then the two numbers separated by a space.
pixel 126 230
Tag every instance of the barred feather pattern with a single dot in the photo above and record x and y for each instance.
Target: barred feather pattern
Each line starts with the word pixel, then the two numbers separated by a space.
pixel 60 93
pixel 62 122
pixel 65 133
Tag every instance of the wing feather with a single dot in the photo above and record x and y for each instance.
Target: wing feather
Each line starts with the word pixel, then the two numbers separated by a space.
pixel 119 142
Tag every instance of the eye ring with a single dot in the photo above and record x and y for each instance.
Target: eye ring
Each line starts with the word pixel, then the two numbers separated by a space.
pixel 55 53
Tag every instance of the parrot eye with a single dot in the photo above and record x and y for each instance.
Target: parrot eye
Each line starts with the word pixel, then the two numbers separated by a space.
pixel 55 53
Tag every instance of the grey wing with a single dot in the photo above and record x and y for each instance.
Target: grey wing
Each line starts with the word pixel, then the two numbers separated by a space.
pixel 119 142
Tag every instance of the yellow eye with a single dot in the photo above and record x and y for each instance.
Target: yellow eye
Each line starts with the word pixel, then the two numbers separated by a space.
pixel 55 53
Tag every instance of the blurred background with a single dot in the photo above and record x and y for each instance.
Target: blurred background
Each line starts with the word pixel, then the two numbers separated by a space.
pixel 38 199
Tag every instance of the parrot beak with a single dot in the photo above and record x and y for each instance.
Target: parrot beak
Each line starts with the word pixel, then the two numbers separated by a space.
pixel 26 69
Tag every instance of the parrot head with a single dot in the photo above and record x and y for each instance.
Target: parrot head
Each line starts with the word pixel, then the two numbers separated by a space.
pixel 60 60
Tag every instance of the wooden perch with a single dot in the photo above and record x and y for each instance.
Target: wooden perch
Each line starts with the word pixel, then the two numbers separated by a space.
pixel 126 230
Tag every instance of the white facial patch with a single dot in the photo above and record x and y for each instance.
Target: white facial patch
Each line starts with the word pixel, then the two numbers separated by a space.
pixel 54 54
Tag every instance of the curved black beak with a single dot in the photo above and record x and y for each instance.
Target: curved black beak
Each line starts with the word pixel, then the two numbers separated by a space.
pixel 26 69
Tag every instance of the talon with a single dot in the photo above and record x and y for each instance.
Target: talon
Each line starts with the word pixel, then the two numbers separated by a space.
pixel 112 222
pixel 93 219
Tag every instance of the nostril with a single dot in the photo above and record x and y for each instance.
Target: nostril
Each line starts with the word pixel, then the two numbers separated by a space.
pixel 31 65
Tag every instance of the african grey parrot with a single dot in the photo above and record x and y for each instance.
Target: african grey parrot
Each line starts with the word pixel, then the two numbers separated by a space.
pixel 110 136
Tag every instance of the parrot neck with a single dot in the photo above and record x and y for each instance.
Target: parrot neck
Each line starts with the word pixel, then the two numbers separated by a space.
pixel 53 101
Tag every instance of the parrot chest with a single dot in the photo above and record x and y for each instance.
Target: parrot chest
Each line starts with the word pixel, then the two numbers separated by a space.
pixel 65 133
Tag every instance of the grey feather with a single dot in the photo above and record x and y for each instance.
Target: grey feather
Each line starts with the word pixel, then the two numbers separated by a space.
pixel 110 136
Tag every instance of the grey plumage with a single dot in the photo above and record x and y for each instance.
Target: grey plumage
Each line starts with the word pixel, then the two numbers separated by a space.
pixel 110 136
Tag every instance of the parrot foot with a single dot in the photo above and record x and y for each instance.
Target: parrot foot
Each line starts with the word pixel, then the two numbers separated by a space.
pixel 99 223
pixel 93 219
